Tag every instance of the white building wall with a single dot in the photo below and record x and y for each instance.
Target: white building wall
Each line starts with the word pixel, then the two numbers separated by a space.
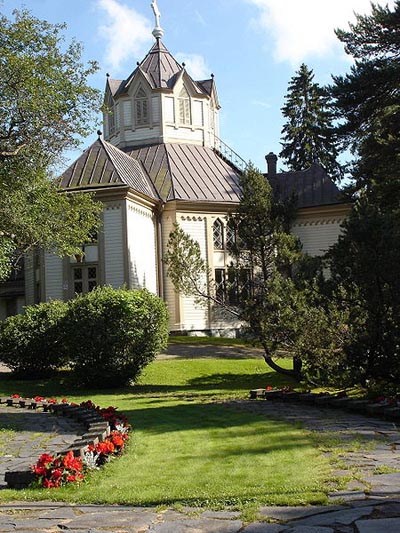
pixel 184 134
pixel 169 294
pixel 142 134
pixel 141 239
pixel 169 109
pixel 195 316
pixel 53 277
pixel 317 236
pixel 155 110
pixel 113 246
pixel 198 119
pixel 127 112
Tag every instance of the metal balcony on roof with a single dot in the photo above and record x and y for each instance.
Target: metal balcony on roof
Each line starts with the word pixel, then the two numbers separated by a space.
pixel 228 154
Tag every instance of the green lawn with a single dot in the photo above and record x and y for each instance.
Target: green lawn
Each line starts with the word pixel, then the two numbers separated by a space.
pixel 189 446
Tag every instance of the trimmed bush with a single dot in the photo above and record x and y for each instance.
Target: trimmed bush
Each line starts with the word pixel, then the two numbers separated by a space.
pixel 31 343
pixel 112 334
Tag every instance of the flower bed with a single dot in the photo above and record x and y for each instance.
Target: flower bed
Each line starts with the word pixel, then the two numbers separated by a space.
pixel 71 466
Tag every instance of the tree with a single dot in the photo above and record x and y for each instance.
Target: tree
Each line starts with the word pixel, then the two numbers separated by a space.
pixel 365 260
pixel 308 135
pixel 365 263
pixel 368 98
pixel 45 106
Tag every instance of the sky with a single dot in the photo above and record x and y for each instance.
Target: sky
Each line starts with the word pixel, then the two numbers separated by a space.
pixel 253 48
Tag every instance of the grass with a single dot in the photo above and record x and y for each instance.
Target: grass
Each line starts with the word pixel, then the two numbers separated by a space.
pixel 200 341
pixel 6 434
pixel 191 447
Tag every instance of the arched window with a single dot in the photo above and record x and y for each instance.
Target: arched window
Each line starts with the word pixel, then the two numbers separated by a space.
pixel 184 107
pixel 110 114
pixel 141 108
pixel 218 235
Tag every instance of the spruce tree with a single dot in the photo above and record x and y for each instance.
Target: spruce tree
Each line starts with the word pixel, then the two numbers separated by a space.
pixel 308 135
pixel 368 99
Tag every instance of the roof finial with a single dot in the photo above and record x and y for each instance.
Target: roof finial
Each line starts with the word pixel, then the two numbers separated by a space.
pixel 158 32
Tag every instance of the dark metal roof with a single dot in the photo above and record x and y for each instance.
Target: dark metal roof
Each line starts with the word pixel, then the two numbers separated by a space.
pixel 186 172
pixel 114 85
pixel 104 165
pixel 189 172
pixel 311 187
pixel 159 67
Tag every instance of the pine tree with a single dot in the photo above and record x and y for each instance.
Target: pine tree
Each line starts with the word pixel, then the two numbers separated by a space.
pixel 368 98
pixel 308 136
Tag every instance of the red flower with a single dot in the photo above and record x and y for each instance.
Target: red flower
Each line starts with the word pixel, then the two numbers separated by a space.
pixel 15 396
pixel 72 463
pixel 38 398
pixel 39 470
pixel 269 387
pixel 45 458
pixel 57 473
pixel 48 484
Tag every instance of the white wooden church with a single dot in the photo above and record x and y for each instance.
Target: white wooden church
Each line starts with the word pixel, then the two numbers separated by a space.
pixel 160 160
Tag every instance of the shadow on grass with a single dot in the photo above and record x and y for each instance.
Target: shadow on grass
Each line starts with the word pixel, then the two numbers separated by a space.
pixel 208 416
pixel 211 385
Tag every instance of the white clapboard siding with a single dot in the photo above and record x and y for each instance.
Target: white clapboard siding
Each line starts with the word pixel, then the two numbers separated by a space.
pixel 198 119
pixel 169 111
pixel 127 112
pixel 141 248
pixel 195 316
pixel 169 291
pixel 143 134
pixel 317 238
pixel 113 247
pixel 29 280
pixel 155 109
pixel 54 277
pixel 184 134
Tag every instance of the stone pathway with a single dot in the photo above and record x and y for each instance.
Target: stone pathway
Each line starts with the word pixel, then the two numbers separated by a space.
pixel 371 505
pixel 37 432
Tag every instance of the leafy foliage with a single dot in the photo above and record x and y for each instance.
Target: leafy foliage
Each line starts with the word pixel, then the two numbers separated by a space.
pixel 112 334
pixel 309 135
pixel 45 106
pixel 365 262
pixel 368 98
pixel 186 267
pixel 30 343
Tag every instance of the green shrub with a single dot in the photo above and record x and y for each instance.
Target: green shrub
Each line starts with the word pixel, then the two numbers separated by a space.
pixel 112 334
pixel 31 343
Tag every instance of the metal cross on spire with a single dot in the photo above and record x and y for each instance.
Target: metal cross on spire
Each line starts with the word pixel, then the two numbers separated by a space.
pixel 158 32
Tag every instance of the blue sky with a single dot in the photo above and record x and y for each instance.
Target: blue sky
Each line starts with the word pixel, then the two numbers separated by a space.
pixel 253 47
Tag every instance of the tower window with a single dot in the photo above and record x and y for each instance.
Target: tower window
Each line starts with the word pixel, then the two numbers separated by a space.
pixel 141 108
pixel 184 107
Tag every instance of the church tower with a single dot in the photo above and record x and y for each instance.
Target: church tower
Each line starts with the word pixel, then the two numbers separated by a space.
pixel 160 103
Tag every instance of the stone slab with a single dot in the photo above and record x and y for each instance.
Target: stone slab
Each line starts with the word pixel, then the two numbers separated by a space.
pixel 311 529
pixel 345 517
pixel 113 519
pixel 293 513
pixel 385 525
pixel 262 527
pixel 198 526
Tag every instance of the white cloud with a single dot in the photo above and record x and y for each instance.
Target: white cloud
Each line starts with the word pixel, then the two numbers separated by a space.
pixel 127 33
pixel 304 28
pixel 195 65
pixel 261 103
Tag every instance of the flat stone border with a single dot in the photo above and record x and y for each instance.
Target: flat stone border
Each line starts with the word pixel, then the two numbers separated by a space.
pixel 366 407
pixel 95 430
pixel 375 516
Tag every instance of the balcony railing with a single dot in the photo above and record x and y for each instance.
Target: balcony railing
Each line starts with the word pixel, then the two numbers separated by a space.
pixel 228 154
